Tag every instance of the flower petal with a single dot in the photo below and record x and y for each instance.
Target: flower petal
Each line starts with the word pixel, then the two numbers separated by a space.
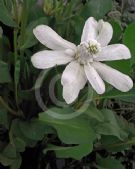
pixel 89 30
pixel 51 39
pixel 117 79
pixel 94 79
pixel 73 80
pixel 105 32
pixel 113 52
pixel 46 59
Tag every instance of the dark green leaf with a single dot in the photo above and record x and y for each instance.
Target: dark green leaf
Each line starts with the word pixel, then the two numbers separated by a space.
pixel 5 15
pixel 110 126
pixel 19 144
pixel 4 73
pixel 125 96
pixel 29 38
pixel 70 131
pixel 117 32
pixel 109 163
pixel 129 40
pixel 34 129
pixel 76 152
pixel 5 160
pixel 97 8
pixel 93 112
pixel 10 151
pixel 17 163
pixel 4 118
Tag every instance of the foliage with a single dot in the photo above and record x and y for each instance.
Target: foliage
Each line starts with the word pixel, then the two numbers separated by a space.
pixel 99 132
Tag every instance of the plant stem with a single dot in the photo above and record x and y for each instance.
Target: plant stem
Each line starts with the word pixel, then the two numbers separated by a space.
pixel 5 105
pixel 15 60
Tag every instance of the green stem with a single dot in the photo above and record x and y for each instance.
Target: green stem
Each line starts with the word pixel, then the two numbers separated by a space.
pixel 5 105
pixel 15 60
pixel 23 24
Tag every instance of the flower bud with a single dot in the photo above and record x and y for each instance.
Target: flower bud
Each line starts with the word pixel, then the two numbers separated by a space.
pixel 48 7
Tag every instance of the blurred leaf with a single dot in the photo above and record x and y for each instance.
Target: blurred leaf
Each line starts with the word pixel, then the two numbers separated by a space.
pixel 33 129
pixel 4 73
pixel 5 160
pixel 117 32
pixel 76 152
pixel 125 96
pixel 113 144
pixel 10 151
pixel 109 163
pixel 4 118
pixel 96 8
pixel 77 24
pixel 14 163
pixel 16 132
pixel 19 144
pixel 93 112
pixel 8 4
pixel 30 40
pixel 70 131
pixel 5 16
pixel 110 126
pixel 17 163
pixel 129 40
pixel 123 66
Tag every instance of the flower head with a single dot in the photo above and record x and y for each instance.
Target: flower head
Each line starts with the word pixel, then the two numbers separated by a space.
pixel 84 60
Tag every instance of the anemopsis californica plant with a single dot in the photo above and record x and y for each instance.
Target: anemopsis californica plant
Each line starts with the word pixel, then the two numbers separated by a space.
pixel 84 60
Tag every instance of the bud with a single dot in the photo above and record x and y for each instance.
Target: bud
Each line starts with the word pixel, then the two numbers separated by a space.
pixel 48 7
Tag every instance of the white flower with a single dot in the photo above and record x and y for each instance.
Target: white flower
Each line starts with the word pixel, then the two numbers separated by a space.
pixel 84 59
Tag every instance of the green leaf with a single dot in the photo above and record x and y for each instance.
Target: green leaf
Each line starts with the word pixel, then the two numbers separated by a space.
pixel 129 40
pixel 123 66
pixel 10 151
pixel 16 132
pixel 76 152
pixel 5 160
pixel 97 8
pixel 14 163
pixel 93 112
pixel 70 131
pixel 17 163
pixel 34 129
pixel 4 73
pixel 5 15
pixel 125 96
pixel 19 144
pixel 109 163
pixel 113 144
pixel 117 32
pixel 29 38
pixel 110 126
pixel 4 118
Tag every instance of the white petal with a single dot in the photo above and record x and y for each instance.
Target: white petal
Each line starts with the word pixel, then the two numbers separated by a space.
pixel 89 30
pixel 113 52
pixel 94 79
pixel 73 80
pixel 51 39
pixel 47 58
pixel 117 79
pixel 105 32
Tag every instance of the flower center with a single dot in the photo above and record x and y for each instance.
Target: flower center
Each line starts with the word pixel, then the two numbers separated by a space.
pixel 86 51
